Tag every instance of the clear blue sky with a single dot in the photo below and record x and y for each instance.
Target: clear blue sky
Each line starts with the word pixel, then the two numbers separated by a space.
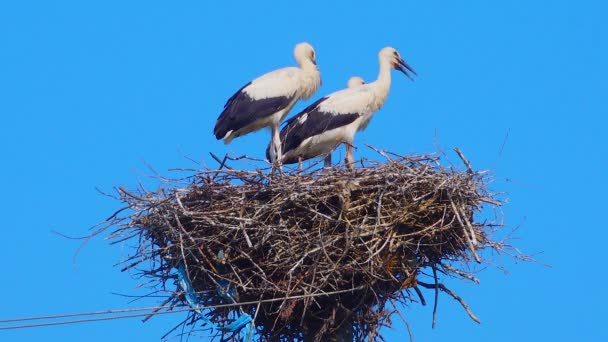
pixel 89 91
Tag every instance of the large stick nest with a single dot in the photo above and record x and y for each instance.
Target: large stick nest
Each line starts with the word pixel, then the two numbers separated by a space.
pixel 313 252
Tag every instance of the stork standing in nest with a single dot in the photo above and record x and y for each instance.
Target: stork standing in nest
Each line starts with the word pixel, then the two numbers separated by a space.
pixel 354 81
pixel 265 101
pixel 334 119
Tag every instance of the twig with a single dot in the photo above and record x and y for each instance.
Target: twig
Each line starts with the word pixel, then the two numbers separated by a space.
pixel 407 324
pixel 453 295
pixel 436 296
pixel 466 235
pixel 222 162
pixel 464 160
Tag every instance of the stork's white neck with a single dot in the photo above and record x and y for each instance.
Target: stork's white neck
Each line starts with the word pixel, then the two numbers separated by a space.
pixel 309 67
pixel 311 78
pixel 382 85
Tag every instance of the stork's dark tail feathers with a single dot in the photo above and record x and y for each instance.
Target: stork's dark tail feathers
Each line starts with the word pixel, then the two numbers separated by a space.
pixel 219 131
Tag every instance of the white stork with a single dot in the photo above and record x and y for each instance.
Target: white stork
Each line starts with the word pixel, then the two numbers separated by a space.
pixel 354 81
pixel 265 101
pixel 334 119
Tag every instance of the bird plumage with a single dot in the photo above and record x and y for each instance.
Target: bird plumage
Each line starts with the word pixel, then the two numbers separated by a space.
pixel 232 123
pixel 265 101
pixel 335 119
pixel 354 81
pixel 319 123
pixel 304 132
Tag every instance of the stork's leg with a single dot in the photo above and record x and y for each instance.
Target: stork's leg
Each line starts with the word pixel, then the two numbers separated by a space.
pixel 300 161
pixel 275 150
pixel 327 161
pixel 349 160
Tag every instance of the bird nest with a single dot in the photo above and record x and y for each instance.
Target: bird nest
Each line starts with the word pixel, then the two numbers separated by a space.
pixel 309 255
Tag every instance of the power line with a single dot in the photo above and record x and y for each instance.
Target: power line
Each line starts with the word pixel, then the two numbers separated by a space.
pixel 152 308
pixel 91 313
pixel 35 325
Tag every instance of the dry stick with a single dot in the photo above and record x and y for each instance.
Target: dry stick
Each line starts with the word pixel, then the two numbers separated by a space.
pixel 182 229
pixel 460 273
pixel 436 296
pixel 249 244
pixel 323 245
pixel 454 295
pixel 162 306
pixel 491 201
pixel 380 152
pixel 407 324
pixel 181 247
pixel 222 162
pixel 466 235
pixel 139 198
pixel 379 250
pixel 468 222
pixel 302 259
pixel 113 216
pixel 464 160
pixel 419 293
pixel 181 205
pixel 257 310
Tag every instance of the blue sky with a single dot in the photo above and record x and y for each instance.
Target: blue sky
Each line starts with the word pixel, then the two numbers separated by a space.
pixel 91 91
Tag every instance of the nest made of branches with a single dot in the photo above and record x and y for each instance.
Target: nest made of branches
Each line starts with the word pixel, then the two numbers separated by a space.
pixel 312 254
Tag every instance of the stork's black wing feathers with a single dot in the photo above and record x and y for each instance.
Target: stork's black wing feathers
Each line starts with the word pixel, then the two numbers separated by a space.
pixel 315 123
pixel 241 110
pixel 308 109
pixel 229 101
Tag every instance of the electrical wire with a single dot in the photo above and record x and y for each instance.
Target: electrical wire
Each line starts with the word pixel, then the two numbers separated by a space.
pixel 152 308
pixel 91 313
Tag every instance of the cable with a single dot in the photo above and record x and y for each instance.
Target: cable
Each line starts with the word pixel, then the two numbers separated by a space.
pixel 105 312
pixel 91 313
pixel 35 325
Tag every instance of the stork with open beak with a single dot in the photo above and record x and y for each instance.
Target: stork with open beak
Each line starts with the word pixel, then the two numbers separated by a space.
pixel 334 119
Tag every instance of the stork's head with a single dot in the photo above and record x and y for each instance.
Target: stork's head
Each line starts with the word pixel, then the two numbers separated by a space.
pixel 355 81
pixel 392 57
pixel 305 52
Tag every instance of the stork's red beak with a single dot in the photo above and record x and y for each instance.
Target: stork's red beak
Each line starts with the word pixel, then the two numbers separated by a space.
pixel 402 66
